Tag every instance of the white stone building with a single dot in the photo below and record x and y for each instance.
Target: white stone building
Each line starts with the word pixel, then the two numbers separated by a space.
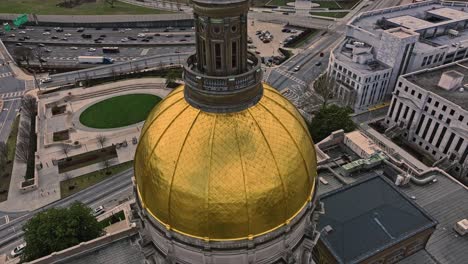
pixel 381 45
pixel 429 110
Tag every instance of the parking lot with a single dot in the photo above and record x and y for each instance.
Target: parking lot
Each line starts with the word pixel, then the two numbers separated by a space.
pixel 268 49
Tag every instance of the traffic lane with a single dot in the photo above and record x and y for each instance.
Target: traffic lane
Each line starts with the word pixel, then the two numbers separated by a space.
pixel 62 51
pixel 11 84
pixel 109 190
pixel 106 70
pixel 7 117
pixel 167 37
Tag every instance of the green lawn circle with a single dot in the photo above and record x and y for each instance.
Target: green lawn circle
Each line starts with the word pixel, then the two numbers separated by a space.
pixel 119 111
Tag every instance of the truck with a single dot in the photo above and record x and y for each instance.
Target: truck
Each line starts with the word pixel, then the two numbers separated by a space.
pixel 95 60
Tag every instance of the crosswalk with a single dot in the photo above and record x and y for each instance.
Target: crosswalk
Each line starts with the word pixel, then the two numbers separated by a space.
pixel 12 95
pixel 76 58
pixel 5 74
pixel 290 76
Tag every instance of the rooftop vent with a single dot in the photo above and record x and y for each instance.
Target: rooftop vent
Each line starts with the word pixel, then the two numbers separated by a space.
pixel 450 80
pixel 461 227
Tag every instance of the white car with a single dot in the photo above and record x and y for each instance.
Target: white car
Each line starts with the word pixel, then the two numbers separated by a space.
pixel 297 68
pixel 74 48
pixel 98 211
pixel 145 30
pixel 46 80
pixel 91 49
pixel 68 35
pixel 128 29
pixel 141 35
pixel 124 40
pixel 22 32
pixel 18 250
pixel 46 33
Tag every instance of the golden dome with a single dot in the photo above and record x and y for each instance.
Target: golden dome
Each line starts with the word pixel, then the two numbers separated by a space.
pixel 225 176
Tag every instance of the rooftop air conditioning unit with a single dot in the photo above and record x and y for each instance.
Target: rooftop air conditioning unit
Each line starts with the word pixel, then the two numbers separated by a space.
pixel 461 227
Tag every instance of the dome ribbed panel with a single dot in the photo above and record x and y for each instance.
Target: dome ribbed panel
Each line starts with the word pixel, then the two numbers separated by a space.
pixel 225 176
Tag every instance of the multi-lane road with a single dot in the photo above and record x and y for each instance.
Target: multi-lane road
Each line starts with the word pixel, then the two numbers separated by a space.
pixel 108 194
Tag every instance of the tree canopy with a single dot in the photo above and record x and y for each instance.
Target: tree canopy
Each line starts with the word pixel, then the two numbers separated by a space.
pixel 329 119
pixel 59 228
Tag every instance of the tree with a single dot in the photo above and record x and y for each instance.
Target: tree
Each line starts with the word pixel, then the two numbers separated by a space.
pixel 324 87
pixel 23 54
pixel 29 106
pixel 171 77
pixel 329 119
pixel 106 164
pixel 65 148
pixel 22 151
pixel 38 53
pixel 3 153
pixel 101 140
pixel 56 229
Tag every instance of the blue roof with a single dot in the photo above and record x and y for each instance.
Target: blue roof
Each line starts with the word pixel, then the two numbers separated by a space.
pixel 369 216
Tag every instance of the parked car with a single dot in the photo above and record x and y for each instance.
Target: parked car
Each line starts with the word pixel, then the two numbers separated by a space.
pixel 22 32
pixel 64 38
pixel 80 29
pixel 318 63
pixel 19 44
pixel 48 50
pixel 74 48
pixel 91 49
pixel 18 250
pixel 103 36
pixel 124 40
pixel 54 37
pixel 297 68
pixel 46 33
pixel 99 211
pixel 41 45
pixel 67 35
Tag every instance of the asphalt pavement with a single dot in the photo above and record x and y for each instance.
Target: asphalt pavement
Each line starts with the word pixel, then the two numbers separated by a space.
pixel 107 193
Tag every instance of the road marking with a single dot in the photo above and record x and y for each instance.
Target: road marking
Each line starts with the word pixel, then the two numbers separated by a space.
pixel 144 52
pixel 290 76
pixel 12 94
pixel 5 74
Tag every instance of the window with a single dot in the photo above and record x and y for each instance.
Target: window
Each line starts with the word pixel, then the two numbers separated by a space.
pixel 448 121
pixel 420 124
pixel 429 60
pixel 452 135
pixel 234 29
pixel 419 95
pixel 428 125
pixel 436 104
pixel 444 108
pixel 433 113
pixel 441 136
pixel 218 56
pixel 399 85
pixel 452 112
pixel 234 54
pixel 460 142
pixel 412 92
pixel 406 88
pixel 424 61
pixel 441 116
pixel 460 118
pixel 429 99
pixel 426 108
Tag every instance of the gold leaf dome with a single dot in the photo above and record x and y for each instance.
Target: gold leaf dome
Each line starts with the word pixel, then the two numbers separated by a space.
pixel 225 176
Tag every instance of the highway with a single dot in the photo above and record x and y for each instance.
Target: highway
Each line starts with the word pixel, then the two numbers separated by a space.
pixel 107 193
pixel 156 61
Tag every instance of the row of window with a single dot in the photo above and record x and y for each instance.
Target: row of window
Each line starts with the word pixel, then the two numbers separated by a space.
pixel 218 54
pixel 427 60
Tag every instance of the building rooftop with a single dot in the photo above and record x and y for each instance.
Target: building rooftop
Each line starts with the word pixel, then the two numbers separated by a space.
pixel 416 17
pixel 121 251
pixel 410 22
pixel 364 216
pixel 445 200
pixel 429 79
pixel 345 55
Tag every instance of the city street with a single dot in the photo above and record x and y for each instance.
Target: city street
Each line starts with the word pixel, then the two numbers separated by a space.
pixel 107 193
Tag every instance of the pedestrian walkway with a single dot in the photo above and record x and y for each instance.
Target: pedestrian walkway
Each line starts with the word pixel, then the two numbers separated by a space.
pixel 12 95
pixel 290 76
pixel 5 74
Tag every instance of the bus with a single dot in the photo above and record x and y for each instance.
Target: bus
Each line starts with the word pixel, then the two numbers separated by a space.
pixel 110 50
